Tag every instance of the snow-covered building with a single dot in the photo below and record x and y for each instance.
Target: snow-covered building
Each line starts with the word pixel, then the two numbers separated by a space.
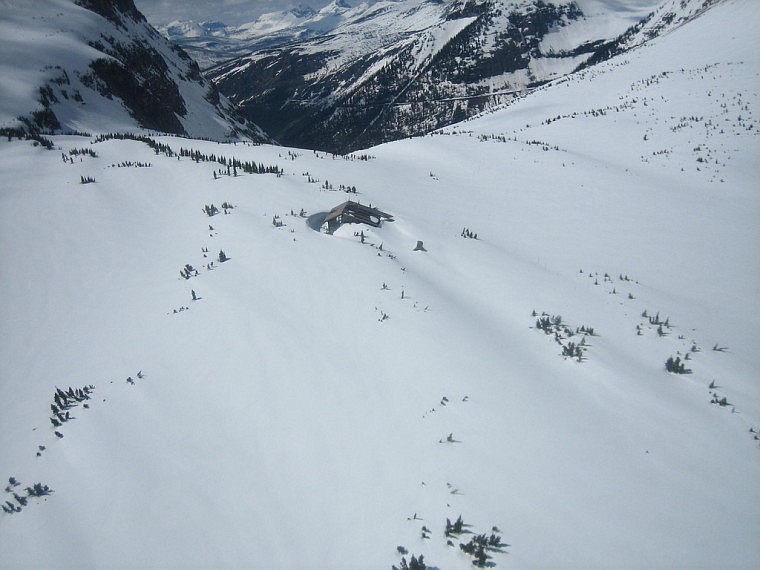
pixel 354 213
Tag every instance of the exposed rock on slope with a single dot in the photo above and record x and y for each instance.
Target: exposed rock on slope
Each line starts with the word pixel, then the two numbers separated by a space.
pixel 95 65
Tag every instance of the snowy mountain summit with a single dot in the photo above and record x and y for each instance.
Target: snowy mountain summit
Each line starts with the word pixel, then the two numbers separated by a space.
pixel 94 65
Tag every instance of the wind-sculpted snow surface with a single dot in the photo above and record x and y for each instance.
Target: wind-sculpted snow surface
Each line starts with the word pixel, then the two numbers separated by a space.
pixel 299 399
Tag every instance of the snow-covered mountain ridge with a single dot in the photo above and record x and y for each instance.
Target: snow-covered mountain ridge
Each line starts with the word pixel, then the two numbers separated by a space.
pixel 347 77
pixel 326 399
pixel 668 16
pixel 94 65
pixel 213 42
pixel 397 68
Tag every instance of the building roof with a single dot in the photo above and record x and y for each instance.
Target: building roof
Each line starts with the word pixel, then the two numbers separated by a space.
pixel 356 209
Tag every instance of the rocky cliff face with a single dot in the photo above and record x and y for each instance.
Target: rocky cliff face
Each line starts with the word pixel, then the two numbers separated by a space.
pixel 113 10
pixel 103 67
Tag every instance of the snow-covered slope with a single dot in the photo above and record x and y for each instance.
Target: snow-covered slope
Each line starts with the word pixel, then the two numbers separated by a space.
pixel 327 399
pixel 213 42
pixel 97 66
pixel 347 78
pixel 668 16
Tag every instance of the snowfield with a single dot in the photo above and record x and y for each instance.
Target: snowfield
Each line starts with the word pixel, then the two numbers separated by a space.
pixel 329 398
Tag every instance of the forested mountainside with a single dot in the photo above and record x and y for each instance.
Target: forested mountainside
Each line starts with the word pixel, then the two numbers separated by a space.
pixel 346 78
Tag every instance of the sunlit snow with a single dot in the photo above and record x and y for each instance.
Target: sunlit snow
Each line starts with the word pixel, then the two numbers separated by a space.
pixel 325 397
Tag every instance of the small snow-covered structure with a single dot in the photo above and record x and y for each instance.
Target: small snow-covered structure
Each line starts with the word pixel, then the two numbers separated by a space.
pixel 354 213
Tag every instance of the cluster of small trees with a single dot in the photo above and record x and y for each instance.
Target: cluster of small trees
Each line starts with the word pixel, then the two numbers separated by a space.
pixel 10 508
pixel 675 366
pixel 21 134
pixel 83 151
pixel 554 325
pixel 655 321
pixel 232 164
pixel 130 164
pixel 86 180
pixel 499 138
pixel 188 271
pixel 413 564
pixel 478 547
pixel 211 210
pixel 607 279
pixel 277 221
pixel 63 401
pixel 455 528
pixel 37 490
pixel 352 156
pixel 550 324
pixel 12 132
pixel 158 147
pixel 327 186
pixel 72 396
pixel 466 233
pixel 583 329
pixel 544 146
pixel 721 401
pixel 573 350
